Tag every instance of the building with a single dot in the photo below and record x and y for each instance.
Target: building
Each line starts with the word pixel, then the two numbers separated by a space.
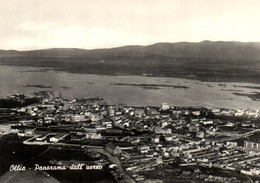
pixel 66 117
pixel 111 111
pixel 253 142
pixel 152 112
pixel 195 113
pixel 77 118
pixel 162 130
pixel 200 134
pixel 193 128
pixel 58 137
pixel 93 136
pixel 252 145
pixel 29 132
pixel 144 149
pixel 155 139
pixel 232 144
pixel 216 111
pixel 41 137
pixel 168 138
pixel 113 149
pixel 107 124
pixel 165 106
pixel 139 112
pixel 159 160
pixel 95 117
pixel 209 122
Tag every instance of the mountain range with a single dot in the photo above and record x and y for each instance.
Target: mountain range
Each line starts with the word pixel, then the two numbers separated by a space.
pixel 207 60
pixel 205 49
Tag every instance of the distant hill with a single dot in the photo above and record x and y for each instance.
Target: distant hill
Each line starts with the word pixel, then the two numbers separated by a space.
pixel 207 60
pixel 205 49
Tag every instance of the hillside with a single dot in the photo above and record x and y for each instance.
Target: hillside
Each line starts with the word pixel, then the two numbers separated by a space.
pixel 209 61
pixel 205 49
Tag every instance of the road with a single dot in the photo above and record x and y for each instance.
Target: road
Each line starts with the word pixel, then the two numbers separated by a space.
pixel 116 161
pixel 239 135
pixel 98 149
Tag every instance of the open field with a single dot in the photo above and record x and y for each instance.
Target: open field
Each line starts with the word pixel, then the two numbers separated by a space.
pixel 28 176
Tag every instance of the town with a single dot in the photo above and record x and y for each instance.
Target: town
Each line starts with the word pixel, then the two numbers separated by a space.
pixel 143 144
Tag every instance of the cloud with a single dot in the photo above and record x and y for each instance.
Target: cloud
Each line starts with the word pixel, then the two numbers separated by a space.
pixel 32 35
pixel 91 24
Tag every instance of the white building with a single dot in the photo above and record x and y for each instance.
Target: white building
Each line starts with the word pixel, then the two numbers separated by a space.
pixel 165 106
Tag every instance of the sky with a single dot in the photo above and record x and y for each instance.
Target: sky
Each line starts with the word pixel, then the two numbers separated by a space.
pixel 90 24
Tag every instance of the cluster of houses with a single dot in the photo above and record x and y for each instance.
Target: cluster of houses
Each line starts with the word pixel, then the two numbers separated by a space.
pixel 145 138
pixel 238 113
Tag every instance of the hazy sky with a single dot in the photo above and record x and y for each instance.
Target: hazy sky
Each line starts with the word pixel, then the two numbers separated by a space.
pixel 36 24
